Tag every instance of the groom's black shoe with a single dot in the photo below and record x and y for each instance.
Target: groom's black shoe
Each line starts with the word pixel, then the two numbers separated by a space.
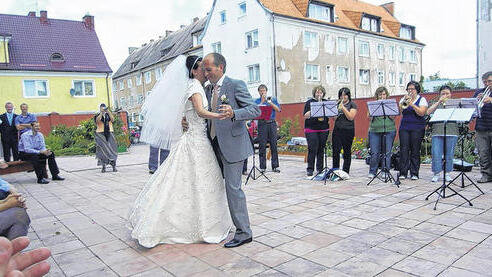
pixel 236 242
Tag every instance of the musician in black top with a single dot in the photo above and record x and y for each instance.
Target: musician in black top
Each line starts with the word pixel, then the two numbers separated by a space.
pixel 483 128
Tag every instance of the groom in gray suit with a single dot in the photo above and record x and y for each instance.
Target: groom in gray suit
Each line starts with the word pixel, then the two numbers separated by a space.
pixel 230 139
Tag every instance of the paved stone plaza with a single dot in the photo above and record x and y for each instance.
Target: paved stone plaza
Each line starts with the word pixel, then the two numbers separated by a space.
pixel 300 227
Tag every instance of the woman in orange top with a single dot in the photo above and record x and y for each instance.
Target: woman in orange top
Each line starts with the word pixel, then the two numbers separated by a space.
pixel 106 146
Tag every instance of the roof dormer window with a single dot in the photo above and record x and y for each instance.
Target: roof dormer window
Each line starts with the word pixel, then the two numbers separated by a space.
pixel 370 23
pixel 57 57
pixel 321 11
pixel 134 64
pixel 407 32
pixel 165 51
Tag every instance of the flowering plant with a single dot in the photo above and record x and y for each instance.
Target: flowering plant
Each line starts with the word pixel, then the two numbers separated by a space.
pixel 223 99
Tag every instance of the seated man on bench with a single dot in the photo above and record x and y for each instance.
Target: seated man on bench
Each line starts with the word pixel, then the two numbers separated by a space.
pixel 33 149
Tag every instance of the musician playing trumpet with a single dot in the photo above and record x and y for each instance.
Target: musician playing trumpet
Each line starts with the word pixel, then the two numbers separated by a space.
pixel 483 129
pixel 438 138
pixel 412 128
pixel 344 130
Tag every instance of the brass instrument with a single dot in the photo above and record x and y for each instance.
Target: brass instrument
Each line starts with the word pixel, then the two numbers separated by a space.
pixel 486 93
pixel 406 102
pixel 340 105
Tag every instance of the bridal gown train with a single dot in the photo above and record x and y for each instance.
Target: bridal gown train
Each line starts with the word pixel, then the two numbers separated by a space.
pixel 185 200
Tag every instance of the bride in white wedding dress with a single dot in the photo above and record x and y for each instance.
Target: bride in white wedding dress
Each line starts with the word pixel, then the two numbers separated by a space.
pixel 185 200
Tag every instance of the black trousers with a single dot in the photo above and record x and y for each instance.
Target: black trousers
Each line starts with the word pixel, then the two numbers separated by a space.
pixel 38 161
pixel 316 147
pixel 267 132
pixel 9 145
pixel 410 142
pixel 342 139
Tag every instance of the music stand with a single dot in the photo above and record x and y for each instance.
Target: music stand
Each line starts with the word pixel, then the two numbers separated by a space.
pixel 445 116
pixel 383 108
pixel 466 103
pixel 266 112
pixel 325 109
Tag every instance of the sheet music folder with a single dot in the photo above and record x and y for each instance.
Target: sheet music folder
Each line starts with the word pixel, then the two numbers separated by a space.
pixel 324 108
pixel 390 108
pixel 467 103
pixel 452 115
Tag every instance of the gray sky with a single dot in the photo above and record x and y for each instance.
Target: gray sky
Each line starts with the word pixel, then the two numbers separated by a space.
pixel 447 27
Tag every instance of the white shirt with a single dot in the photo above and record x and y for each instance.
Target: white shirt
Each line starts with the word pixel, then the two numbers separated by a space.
pixel 423 101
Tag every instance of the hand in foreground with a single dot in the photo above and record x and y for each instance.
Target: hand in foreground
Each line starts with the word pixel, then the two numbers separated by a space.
pixel 184 124
pixel 29 264
pixel 3 165
pixel 226 110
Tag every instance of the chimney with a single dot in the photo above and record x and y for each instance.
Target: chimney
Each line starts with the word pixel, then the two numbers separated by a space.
pixel 88 21
pixel 43 17
pixel 195 19
pixel 390 7
pixel 151 40
pixel 32 14
pixel 168 33
pixel 132 49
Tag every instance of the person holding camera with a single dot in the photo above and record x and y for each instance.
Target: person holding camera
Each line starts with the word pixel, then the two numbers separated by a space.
pixel 267 129
pixel 106 146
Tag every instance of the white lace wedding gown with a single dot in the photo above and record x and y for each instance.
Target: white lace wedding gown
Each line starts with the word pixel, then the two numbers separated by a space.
pixel 185 200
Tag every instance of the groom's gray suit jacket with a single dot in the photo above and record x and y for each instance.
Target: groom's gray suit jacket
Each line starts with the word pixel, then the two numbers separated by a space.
pixel 232 135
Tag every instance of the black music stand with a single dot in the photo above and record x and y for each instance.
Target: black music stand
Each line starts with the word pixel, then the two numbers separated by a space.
pixel 266 112
pixel 383 108
pixel 466 103
pixel 325 109
pixel 445 116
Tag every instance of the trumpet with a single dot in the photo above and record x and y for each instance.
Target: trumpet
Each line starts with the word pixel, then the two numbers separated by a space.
pixel 486 93
pixel 406 102
pixel 340 105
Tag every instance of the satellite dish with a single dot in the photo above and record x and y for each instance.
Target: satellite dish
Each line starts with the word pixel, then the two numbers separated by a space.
pixel 72 92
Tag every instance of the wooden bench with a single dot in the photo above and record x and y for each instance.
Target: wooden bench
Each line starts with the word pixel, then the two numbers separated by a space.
pixel 17 166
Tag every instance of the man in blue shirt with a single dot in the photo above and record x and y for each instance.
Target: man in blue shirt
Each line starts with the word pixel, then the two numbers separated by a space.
pixel 9 133
pixel 33 149
pixel 483 129
pixel 267 129
pixel 24 120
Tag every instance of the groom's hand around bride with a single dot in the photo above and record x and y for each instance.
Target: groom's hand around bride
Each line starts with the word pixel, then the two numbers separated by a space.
pixel 226 110
pixel 184 124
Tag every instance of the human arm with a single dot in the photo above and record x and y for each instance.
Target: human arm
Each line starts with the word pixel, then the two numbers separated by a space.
pixel 197 101
pixel 13 262
pixel 13 200
pixel 421 110
pixel 275 105
pixel 307 110
pixel 349 113
pixel 247 109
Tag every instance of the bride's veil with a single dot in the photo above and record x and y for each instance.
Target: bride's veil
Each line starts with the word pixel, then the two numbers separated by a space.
pixel 163 108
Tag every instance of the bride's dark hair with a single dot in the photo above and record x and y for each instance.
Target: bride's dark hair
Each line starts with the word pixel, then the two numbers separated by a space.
pixel 192 63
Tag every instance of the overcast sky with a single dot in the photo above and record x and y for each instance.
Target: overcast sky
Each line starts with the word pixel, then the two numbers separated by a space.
pixel 447 27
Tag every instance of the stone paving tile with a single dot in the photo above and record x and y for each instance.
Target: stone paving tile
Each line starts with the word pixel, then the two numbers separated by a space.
pixel 243 267
pixel 457 272
pixel 474 264
pixel 271 273
pixel 401 246
pixel 327 257
pixel 419 267
pixel 82 266
pixel 300 267
pixel 297 247
pixel 464 234
pixel 133 266
pixel 272 257
pixel 157 272
pixel 390 272
pixel 274 239
pixel 356 267
pixel 102 272
pixel 432 228
pixel 380 256
pixel 349 246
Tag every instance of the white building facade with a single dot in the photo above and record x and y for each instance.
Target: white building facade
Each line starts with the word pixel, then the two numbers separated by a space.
pixel 484 38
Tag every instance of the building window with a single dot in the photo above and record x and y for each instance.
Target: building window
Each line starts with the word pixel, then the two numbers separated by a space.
pixel 391 78
pixel 364 76
pixel 413 56
pixel 252 39
pixel 311 72
pixel 223 17
pixel 140 117
pixel 133 117
pixel 381 77
pixel 148 93
pixel 413 77
pixel 242 9
pixel 114 87
pixel 57 57
pixel 364 48
pixel 310 40
pixel 36 88
pixel 139 79
pixel 132 101
pixel 122 86
pixel 321 12
pixel 158 73
pixel 381 51
pixel 129 83
pixel 329 79
pixel 401 54
pixel 407 32
pixel 122 101
pixel 391 52
pixel 342 45
pixel 217 47
pixel 343 74
pixel 401 79
pixel 148 77
pixel 370 23
pixel 254 73
pixel 83 87
pixel 140 98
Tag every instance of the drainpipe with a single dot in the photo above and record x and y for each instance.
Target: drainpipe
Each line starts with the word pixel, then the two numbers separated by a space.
pixel 355 69
pixel 274 58
pixel 107 89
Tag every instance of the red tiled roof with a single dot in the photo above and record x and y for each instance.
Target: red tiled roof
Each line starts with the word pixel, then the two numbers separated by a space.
pixel 33 43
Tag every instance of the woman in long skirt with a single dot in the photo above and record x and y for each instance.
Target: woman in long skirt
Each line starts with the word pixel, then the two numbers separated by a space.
pixel 106 146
